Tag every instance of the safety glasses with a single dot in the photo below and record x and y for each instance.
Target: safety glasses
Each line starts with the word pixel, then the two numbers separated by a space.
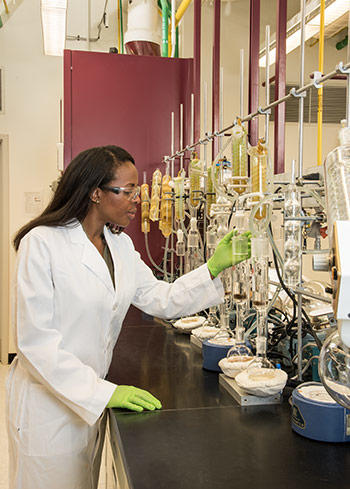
pixel 131 193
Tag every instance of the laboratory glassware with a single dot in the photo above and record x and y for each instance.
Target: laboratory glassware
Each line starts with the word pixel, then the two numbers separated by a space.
pixel 145 205
pixel 155 195
pixel 165 222
pixel 337 177
pixel 239 159
pixel 292 235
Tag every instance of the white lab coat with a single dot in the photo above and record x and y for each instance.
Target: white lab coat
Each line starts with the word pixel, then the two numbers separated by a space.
pixel 67 318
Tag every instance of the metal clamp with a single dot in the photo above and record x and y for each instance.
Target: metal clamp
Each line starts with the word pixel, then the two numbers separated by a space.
pixel 294 93
pixel 264 112
pixel 317 76
pixel 340 69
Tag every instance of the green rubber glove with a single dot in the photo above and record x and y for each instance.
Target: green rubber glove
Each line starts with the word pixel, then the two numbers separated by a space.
pixel 222 257
pixel 133 398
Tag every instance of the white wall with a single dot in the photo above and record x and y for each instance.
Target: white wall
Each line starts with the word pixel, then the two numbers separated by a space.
pixel 34 86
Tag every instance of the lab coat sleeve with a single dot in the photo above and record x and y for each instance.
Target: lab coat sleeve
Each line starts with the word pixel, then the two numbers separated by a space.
pixel 189 294
pixel 39 343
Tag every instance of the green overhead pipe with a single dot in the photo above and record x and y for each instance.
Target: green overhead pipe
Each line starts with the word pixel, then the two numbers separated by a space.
pixel 177 43
pixel 165 16
pixel 121 26
pixel 342 44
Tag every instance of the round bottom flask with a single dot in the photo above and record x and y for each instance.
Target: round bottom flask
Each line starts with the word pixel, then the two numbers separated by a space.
pixel 261 362
pixel 334 369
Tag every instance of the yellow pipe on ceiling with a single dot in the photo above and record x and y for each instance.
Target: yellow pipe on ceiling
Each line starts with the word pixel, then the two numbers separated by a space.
pixel 6 7
pixel 181 10
pixel 320 90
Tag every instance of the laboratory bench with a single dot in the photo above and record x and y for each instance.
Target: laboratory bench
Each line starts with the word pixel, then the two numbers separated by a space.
pixel 202 438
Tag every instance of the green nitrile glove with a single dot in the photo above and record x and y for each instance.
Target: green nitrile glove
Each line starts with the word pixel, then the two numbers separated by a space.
pixel 222 257
pixel 133 398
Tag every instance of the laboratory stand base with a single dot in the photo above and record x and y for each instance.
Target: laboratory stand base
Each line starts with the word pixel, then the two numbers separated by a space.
pixel 196 343
pixel 243 398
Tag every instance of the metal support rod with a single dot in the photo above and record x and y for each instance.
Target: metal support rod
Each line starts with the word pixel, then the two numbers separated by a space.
pixel 241 84
pixel 172 135
pixel 301 82
pixel 192 119
pixel 197 67
pixel 221 107
pixel 254 44
pixel 267 78
pixel 280 86
pixel 205 122
pixel 293 93
pixel 300 174
pixel 320 90
pixel 181 135
pixel 216 75
pixel 304 292
pixel 172 207
pixel 300 337
pixel 205 154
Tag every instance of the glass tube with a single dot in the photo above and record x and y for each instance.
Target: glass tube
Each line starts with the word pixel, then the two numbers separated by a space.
pixel 337 176
pixel 155 195
pixel 211 242
pixel 239 159
pixel 145 205
pixel 211 195
pixel 260 297
pixel 292 236
pixel 179 182
pixel 194 257
pixel 195 171
pixel 180 245
pixel 259 170
pixel 165 223
pixel 240 294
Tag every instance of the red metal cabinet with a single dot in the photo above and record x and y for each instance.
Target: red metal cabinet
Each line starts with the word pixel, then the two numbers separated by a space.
pixel 126 100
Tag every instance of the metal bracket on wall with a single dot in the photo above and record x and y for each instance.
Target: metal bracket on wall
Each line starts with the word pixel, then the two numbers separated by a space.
pixel 340 68
pixel 317 76
pixel 294 93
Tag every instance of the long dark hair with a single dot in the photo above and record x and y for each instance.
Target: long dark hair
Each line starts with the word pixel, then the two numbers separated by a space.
pixel 92 168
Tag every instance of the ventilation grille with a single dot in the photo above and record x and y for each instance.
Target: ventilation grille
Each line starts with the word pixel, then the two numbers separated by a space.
pixel 334 105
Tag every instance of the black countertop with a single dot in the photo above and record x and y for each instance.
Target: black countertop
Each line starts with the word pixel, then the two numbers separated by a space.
pixel 202 438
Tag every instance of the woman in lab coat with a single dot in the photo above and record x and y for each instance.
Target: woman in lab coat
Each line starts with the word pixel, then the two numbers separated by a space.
pixel 75 281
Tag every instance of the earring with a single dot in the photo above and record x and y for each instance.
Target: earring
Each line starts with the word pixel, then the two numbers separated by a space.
pixel 95 201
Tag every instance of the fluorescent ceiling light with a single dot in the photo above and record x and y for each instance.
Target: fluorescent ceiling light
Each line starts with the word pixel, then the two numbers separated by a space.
pixel 333 10
pixel 53 19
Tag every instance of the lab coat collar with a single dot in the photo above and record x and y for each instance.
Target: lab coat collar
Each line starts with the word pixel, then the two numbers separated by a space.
pixel 90 257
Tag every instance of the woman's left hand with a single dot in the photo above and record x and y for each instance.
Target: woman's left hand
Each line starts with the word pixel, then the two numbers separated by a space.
pixel 223 257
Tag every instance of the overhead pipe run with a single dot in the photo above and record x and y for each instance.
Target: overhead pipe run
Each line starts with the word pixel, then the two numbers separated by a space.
pixel 197 67
pixel 320 90
pixel 294 92
pixel 216 76
pixel 280 86
pixel 142 36
pixel 165 17
pixel 254 40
